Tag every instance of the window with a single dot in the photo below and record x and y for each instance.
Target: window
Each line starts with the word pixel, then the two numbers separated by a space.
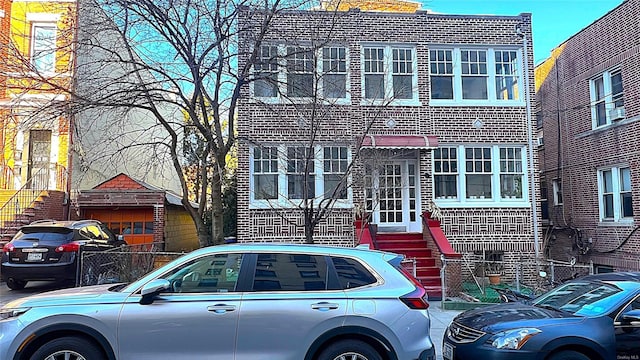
pixel 389 73
pixel 544 203
pixel 266 68
pixel 445 173
pixel 511 173
pixel 478 170
pixel 43 47
pixel 214 273
pixel 352 273
pixel 287 272
pixel 300 168
pixel 615 194
pixel 479 76
pixel 480 175
pixel 285 168
pixel 335 169
pixel 334 68
pixel 607 98
pixel 557 191
pixel 299 72
pixel 265 173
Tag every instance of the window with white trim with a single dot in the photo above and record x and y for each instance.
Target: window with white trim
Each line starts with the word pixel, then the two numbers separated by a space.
pixel 615 194
pixel 290 72
pixel 300 168
pixel 557 191
pixel 334 72
pixel 480 174
pixel 277 175
pixel 265 172
pixel 475 76
pixel 389 73
pixel 607 98
pixel 43 47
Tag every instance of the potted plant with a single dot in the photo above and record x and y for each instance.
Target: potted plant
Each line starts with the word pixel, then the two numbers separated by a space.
pixel 493 270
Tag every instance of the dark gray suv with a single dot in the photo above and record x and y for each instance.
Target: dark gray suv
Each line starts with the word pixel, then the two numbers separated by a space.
pixel 241 302
pixel 49 250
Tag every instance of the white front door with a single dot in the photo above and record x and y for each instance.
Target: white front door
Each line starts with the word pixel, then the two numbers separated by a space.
pixel 393 196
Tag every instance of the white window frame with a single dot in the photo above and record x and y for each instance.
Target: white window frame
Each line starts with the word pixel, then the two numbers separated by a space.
pixel 557 192
pixel 282 200
pixel 388 98
pixel 341 100
pixel 47 26
pixel 282 74
pixel 496 199
pixel 492 75
pixel 607 98
pixel 616 193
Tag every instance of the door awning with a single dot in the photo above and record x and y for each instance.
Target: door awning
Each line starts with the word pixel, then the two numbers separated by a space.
pixel 400 141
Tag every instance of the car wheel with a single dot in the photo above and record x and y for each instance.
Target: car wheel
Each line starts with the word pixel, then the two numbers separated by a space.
pixel 568 355
pixel 351 350
pixel 15 284
pixel 68 348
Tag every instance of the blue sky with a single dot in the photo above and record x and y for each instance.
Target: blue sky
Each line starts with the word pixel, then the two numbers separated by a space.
pixel 553 20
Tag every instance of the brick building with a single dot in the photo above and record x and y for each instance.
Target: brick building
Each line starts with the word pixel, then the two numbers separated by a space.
pixel 589 108
pixel 415 111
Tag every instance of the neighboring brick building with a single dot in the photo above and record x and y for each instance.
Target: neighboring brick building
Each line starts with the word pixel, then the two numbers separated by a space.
pixel 589 105
pixel 438 104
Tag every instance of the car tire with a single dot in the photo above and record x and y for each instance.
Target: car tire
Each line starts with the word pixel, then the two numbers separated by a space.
pixel 568 355
pixel 71 348
pixel 349 349
pixel 15 284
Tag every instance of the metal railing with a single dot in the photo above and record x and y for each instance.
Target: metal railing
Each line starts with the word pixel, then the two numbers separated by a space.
pixel 23 199
pixel 471 279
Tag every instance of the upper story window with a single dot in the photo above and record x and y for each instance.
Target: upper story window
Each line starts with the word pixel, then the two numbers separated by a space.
pixel 389 73
pixel 607 98
pixel 557 191
pixel 293 72
pixel 480 174
pixel 475 76
pixel 43 47
pixel 615 194
pixel 283 175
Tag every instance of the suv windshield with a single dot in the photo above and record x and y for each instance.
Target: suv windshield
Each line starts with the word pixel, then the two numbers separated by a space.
pixel 44 236
pixel 584 298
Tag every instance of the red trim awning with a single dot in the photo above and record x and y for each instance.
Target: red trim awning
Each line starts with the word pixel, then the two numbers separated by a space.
pixel 400 141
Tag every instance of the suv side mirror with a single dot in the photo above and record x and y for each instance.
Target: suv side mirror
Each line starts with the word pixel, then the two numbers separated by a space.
pixel 152 289
pixel 632 316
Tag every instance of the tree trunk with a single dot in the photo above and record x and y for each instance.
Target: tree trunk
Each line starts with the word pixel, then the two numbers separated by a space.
pixel 308 226
pixel 217 213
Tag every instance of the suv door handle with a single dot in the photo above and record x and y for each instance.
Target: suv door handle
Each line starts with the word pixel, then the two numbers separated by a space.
pixel 324 306
pixel 220 308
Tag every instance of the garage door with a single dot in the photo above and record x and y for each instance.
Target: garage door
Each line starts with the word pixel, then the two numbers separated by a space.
pixel 136 225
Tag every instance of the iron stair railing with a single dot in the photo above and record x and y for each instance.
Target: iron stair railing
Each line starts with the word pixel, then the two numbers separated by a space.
pixel 23 199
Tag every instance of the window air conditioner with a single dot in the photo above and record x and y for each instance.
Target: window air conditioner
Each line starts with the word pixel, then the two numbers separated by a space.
pixel 616 113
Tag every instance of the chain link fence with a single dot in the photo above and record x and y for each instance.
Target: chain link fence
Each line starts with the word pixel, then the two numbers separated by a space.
pixel 124 264
pixel 474 280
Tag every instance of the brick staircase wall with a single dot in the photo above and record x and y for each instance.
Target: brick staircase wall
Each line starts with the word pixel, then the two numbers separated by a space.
pixel 414 246
pixel 49 205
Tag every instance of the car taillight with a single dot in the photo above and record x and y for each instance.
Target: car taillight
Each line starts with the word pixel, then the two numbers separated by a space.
pixel 416 299
pixel 70 247
pixel 8 247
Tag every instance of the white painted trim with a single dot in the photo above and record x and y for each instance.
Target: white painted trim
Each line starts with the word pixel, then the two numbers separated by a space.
pixel 43 17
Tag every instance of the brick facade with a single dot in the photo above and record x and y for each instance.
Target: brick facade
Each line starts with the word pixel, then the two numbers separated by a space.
pixel 575 150
pixel 469 228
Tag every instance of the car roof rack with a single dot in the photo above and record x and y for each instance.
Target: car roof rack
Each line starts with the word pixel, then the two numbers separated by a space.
pixel 42 221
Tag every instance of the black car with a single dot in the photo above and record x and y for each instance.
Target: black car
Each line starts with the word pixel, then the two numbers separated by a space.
pixel 591 318
pixel 49 250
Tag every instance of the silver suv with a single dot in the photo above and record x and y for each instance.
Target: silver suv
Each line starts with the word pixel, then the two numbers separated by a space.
pixel 240 301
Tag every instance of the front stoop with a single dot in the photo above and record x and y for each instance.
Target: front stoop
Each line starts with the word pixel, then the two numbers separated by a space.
pixel 414 247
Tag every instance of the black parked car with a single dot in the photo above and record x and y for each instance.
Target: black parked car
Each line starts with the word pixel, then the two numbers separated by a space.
pixel 49 250
pixel 596 317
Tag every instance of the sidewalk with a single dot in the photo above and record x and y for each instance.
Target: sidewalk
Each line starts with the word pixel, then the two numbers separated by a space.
pixel 440 319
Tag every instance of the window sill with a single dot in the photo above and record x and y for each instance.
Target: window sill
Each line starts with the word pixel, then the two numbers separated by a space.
pixel 279 100
pixel 481 203
pixel 506 103
pixel 294 204
pixel 382 102
pixel 616 223
pixel 609 126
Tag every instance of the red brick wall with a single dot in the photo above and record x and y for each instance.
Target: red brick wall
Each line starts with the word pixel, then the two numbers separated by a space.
pixel 574 152
pixel 121 182
pixel 276 124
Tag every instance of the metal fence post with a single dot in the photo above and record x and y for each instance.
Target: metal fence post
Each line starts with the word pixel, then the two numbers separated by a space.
pixel 443 281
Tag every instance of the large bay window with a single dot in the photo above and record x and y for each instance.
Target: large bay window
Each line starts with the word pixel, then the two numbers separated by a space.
pixel 282 175
pixel 462 76
pixel 480 175
pixel 615 194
